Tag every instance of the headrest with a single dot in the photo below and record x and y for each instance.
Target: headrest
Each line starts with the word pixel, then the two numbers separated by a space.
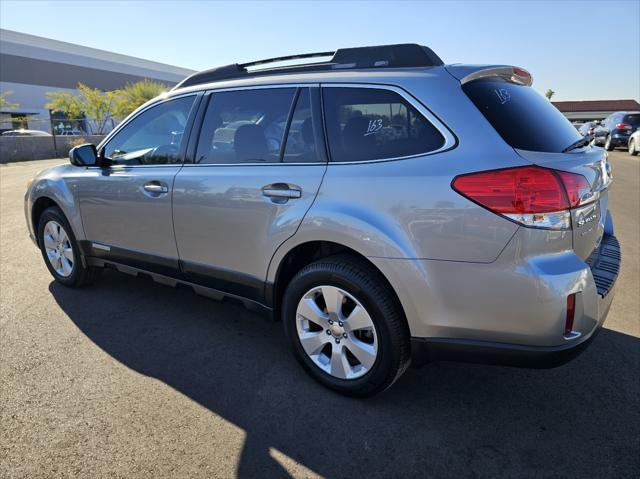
pixel 250 143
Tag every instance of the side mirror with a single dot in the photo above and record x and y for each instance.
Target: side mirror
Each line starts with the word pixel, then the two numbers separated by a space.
pixel 84 155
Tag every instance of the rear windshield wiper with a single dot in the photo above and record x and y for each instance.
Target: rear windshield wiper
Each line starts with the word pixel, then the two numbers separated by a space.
pixel 578 144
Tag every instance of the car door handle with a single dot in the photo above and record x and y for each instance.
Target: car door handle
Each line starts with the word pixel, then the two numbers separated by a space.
pixel 156 187
pixel 282 191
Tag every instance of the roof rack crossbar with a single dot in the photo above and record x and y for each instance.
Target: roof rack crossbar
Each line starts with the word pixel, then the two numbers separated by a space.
pixel 286 58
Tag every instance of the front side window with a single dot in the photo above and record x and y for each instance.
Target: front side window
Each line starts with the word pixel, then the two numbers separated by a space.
pixel 245 126
pixel 154 137
pixel 372 124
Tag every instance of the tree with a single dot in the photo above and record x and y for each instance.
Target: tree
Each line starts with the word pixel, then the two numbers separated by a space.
pixel 549 93
pixel 97 105
pixel 65 102
pixel 6 104
pixel 135 94
pixel 101 106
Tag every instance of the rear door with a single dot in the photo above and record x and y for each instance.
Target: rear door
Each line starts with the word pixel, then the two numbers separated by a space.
pixel 254 172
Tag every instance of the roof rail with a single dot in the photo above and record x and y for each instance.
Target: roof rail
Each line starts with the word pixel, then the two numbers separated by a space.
pixel 382 56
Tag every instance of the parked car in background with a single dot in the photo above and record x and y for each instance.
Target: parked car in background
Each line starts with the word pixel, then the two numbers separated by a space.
pixel 634 143
pixel 618 128
pixel 22 132
pixel 70 132
pixel 594 130
pixel 386 207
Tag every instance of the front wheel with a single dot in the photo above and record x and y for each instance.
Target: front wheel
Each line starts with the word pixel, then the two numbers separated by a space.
pixel 345 326
pixel 633 151
pixel 60 250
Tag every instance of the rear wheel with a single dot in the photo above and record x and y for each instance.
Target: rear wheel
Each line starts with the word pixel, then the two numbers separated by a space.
pixel 607 144
pixel 633 149
pixel 60 250
pixel 345 326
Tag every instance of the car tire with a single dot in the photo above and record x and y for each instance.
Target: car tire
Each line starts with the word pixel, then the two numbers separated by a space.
pixel 607 144
pixel 633 150
pixel 354 361
pixel 60 250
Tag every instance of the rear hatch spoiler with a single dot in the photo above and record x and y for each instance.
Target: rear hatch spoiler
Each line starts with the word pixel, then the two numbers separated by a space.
pixel 468 73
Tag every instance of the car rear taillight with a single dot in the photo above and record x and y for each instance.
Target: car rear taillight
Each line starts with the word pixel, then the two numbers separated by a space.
pixel 530 195
pixel 623 126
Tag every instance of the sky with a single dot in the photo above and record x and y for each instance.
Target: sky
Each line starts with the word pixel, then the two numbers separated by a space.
pixel 583 50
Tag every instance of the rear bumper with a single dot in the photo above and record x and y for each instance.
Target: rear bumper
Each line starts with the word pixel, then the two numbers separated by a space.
pixel 604 264
pixel 620 139
pixel 512 311
pixel 424 350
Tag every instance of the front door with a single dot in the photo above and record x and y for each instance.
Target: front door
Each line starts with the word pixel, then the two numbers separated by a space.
pixel 126 207
pixel 256 171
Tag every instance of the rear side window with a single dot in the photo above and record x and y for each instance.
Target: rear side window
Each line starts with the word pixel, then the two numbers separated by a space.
pixel 244 126
pixel 632 119
pixel 522 117
pixel 373 124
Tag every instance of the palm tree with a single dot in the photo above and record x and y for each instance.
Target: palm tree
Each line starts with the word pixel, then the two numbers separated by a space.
pixel 549 93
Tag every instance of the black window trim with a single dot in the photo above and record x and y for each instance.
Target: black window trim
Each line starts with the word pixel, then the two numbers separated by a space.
pixel 197 126
pixel 287 127
pixel 450 140
pixel 135 114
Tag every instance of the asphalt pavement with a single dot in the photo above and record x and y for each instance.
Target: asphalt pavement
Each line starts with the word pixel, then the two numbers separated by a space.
pixel 129 378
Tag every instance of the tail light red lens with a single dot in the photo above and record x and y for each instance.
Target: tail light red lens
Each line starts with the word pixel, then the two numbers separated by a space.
pixel 576 186
pixel 623 126
pixel 571 311
pixel 525 194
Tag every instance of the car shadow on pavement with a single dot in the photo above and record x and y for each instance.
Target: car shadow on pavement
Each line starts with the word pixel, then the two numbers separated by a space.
pixel 445 419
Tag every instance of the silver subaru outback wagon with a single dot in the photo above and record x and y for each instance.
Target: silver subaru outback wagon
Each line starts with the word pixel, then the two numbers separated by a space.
pixel 388 208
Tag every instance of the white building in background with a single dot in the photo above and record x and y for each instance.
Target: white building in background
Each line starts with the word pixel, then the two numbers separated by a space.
pixel 31 66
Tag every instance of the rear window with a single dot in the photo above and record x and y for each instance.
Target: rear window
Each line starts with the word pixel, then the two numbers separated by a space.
pixel 523 118
pixel 373 124
pixel 633 119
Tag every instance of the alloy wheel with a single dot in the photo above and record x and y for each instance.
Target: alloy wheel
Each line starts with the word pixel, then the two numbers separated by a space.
pixel 58 248
pixel 336 332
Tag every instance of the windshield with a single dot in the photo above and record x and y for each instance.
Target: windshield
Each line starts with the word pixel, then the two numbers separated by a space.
pixel 523 118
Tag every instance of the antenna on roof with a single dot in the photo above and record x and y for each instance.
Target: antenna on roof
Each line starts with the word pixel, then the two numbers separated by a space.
pixel 402 55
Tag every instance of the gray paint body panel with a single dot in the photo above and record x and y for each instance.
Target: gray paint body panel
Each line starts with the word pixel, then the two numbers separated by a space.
pixel 223 220
pixel 117 211
pixel 60 184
